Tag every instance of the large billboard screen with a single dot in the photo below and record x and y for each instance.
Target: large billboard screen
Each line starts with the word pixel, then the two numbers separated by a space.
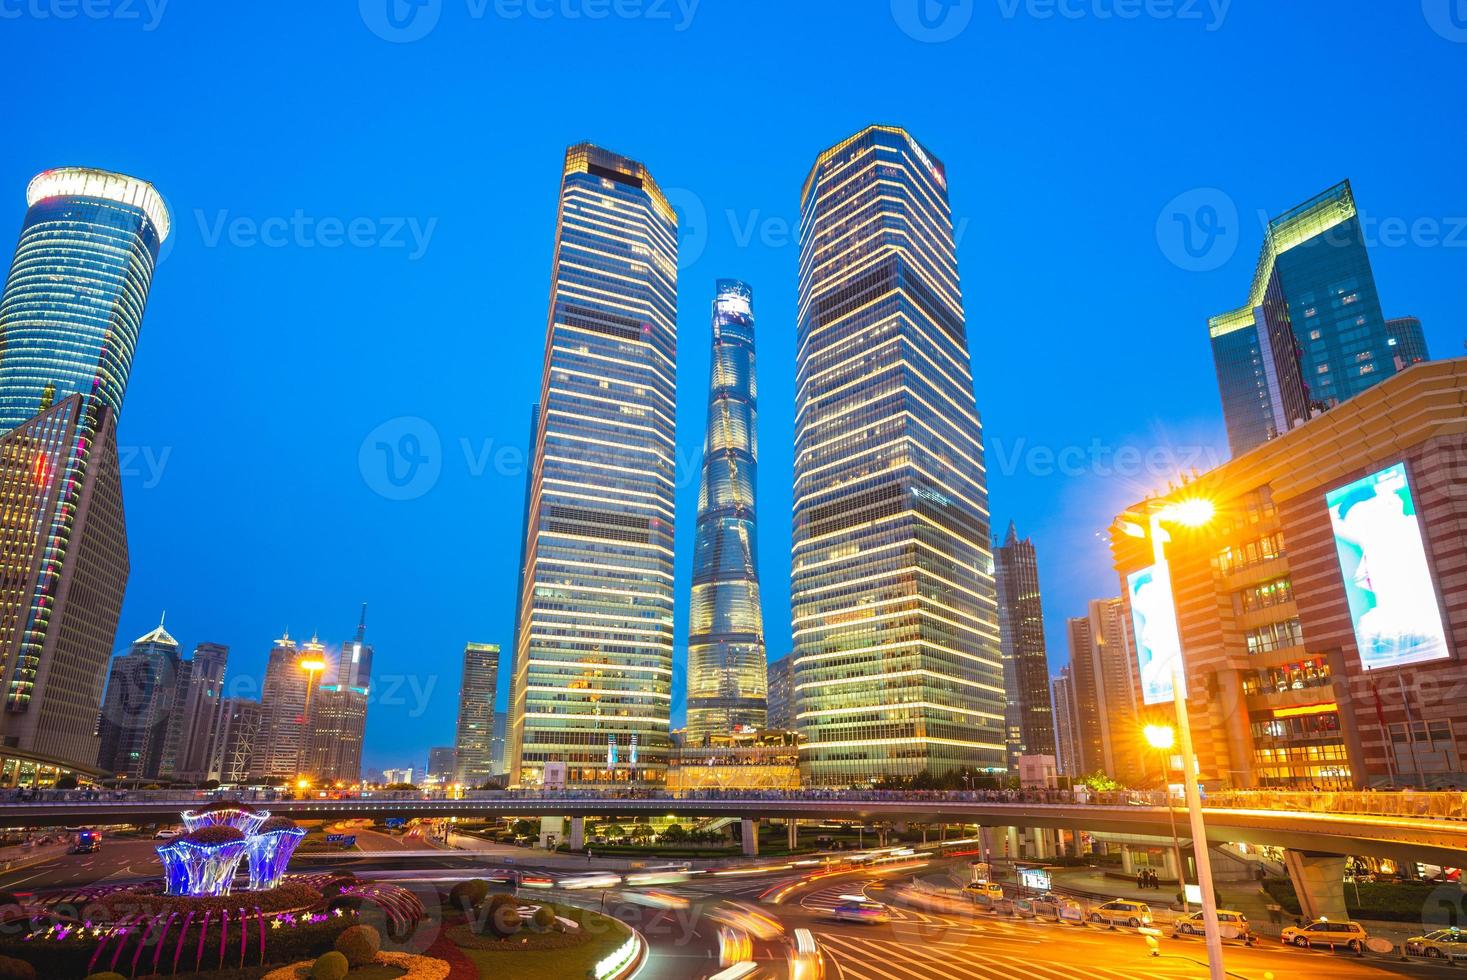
pixel 1393 604
pixel 1158 645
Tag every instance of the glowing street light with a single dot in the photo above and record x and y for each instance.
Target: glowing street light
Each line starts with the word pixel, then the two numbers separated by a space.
pixel 1160 736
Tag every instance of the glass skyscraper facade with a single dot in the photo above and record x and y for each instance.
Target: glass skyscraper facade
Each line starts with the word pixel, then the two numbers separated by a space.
pixel 73 304
pixel 726 660
pixel 473 743
pixel 1312 333
pixel 1028 714
pixel 1407 341
pixel 896 647
pixel 592 682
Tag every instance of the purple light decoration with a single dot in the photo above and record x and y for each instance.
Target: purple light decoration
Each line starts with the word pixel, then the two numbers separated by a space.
pixel 270 851
pixel 203 863
pixel 226 814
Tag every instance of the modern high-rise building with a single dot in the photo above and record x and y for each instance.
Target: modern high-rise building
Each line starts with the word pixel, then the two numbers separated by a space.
pixel 197 690
pixel 497 759
pixel 235 740
pixel 337 727
pixel 1312 333
pixel 1028 713
pixel 592 679
pixel 1066 750
pixel 1104 682
pixel 69 322
pixel 473 748
pixel 1322 612
pixel 781 687
pixel 441 762
pixel 897 663
pixel 726 659
pixel 1407 341
pixel 140 693
pixel 63 571
pixel 285 729
pixel 353 668
pixel 73 305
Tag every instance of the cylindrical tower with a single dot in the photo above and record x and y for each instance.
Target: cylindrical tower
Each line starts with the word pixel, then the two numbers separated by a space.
pixel 727 687
pixel 73 303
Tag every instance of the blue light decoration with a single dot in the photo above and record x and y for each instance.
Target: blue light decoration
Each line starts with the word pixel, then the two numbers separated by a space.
pixel 270 851
pixel 226 813
pixel 202 863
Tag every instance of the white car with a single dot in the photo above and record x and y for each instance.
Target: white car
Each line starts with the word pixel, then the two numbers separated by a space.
pixel 167 833
pixel 592 879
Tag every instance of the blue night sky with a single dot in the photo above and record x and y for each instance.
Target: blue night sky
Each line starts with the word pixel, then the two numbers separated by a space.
pixel 273 346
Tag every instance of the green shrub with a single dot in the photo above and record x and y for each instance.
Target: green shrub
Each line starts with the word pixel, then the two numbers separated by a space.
pixel 13 969
pixel 330 966
pixel 469 894
pixel 359 944
pixel 544 918
pixel 502 916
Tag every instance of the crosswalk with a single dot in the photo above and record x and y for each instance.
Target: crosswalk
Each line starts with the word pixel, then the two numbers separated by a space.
pixel 876 959
pixel 826 899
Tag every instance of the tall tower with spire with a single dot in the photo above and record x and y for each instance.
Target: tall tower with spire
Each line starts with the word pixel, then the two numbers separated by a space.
pixel 1028 710
pixel 727 684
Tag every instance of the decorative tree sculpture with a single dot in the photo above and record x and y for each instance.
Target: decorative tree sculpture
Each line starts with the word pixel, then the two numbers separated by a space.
pixel 269 851
pixel 202 863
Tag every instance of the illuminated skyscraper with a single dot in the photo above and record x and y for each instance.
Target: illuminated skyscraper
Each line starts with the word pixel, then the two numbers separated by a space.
pixel 141 685
pixel 73 304
pixel 896 647
pixel 593 664
pixel 726 665
pixel 782 694
pixel 69 322
pixel 1028 713
pixel 1407 341
pixel 283 749
pixel 1312 333
pixel 196 695
pixel 473 745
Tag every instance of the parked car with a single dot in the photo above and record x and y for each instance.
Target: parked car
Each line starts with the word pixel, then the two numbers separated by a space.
pixel 987 889
pixel 166 833
pixel 1133 914
pixel 1446 944
pixel 1232 924
pixel 1323 932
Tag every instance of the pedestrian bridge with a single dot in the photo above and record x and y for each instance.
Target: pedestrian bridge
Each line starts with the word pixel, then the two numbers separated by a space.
pixel 1404 836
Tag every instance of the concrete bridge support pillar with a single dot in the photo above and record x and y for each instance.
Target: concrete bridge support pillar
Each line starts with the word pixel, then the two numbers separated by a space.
pixel 578 833
pixel 792 827
pixel 1319 881
pixel 1128 860
pixel 1011 843
pixel 1169 867
pixel 750 832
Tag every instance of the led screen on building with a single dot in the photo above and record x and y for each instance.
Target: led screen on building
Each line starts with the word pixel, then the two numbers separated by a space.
pixel 1154 618
pixel 1393 604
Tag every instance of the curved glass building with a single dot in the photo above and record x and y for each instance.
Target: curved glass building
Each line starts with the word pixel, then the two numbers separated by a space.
pixel 726 664
pixel 897 666
pixel 73 303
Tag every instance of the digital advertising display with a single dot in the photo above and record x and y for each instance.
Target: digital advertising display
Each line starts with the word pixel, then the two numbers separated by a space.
pixel 1393 603
pixel 1154 620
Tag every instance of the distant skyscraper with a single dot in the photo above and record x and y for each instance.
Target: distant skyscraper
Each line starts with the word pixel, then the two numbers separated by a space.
pixel 497 760
pixel 474 758
pixel 354 666
pixel 1407 341
pixel 140 693
pixel 73 305
pixel 1107 727
pixel 69 321
pixel 1066 750
pixel 191 718
pixel 440 762
pixel 593 667
pixel 63 570
pixel 337 727
pixel 1312 333
pixel 235 739
pixel 897 664
pixel 1028 714
pixel 781 685
pixel 726 660
pixel 285 729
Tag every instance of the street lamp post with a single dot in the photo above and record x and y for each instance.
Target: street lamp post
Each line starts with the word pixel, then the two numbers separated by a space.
pixel 1163 738
pixel 1192 513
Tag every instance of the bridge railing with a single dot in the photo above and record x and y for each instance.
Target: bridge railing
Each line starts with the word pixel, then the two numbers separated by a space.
pixel 1405 803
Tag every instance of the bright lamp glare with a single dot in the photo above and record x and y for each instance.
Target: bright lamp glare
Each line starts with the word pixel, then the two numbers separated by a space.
pixel 1160 736
pixel 313 665
pixel 1190 513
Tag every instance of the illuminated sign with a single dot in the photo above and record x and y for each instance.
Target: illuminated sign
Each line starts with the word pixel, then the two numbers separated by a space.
pixel 1158 645
pixel 932 168
pixel 1393 604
